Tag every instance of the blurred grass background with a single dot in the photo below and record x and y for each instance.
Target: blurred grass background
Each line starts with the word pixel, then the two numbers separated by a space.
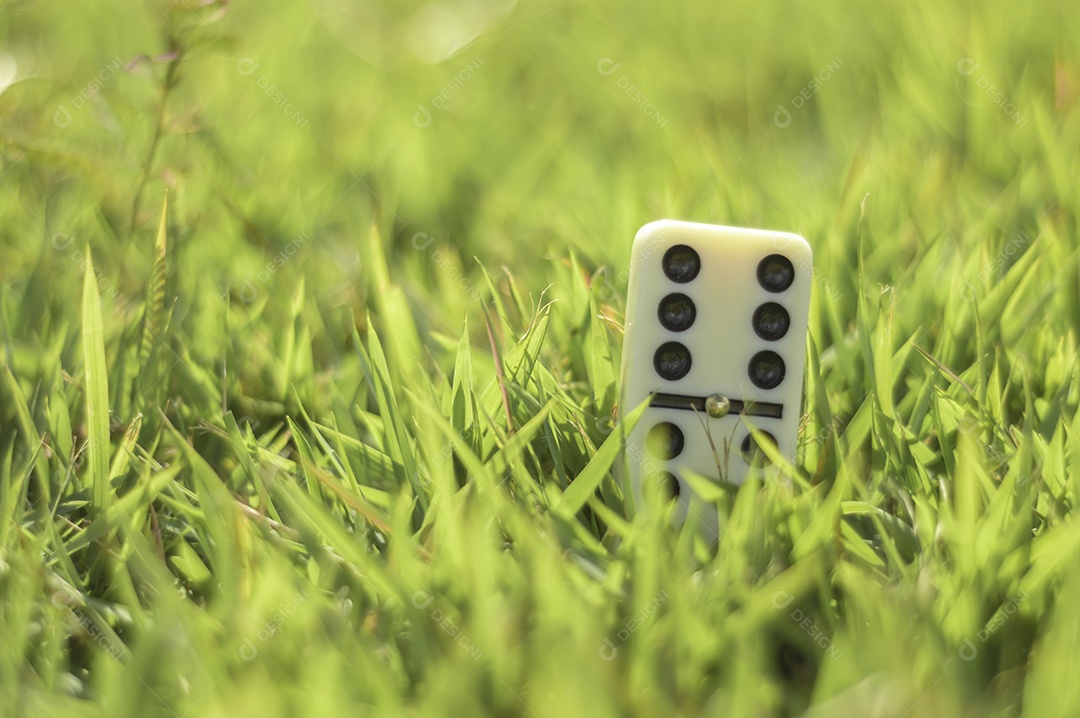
pixel 325 433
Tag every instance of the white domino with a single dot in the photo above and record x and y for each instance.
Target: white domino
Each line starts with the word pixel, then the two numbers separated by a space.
pixel 716 322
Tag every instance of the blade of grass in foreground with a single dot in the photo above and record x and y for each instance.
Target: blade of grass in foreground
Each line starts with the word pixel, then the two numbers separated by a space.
pixel 582 487
pixel 97 390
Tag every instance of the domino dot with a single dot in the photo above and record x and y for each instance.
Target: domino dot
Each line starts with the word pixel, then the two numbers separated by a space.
pixel 775 273
pixel 669 484
pixel 672 361
pixel 766 370
pixel 771 321
pixel 681 264
pixel 751 449
pixel 677 312
pixel 665 440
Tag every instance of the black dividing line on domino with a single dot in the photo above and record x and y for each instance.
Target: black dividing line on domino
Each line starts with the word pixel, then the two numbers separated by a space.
pixel 700 403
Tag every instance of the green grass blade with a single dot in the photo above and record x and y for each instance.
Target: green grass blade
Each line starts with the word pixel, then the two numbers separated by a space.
pixel 97 392
pixel 599 467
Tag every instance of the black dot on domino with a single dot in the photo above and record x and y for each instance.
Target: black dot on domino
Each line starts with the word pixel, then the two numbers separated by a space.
pixel 681 264
pixel 751 449
pixel 672 361
pixel 775 273
pixel 677 312
pixel 669 485
pixel 771 321
pixel 665 440
pixel 766 369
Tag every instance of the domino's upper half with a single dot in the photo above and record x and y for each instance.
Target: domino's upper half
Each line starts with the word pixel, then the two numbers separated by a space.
pixel 716 325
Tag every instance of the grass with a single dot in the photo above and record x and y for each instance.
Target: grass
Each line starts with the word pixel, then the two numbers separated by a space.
pixel 330 431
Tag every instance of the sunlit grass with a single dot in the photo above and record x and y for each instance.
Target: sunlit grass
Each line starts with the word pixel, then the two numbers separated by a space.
pixel 332 432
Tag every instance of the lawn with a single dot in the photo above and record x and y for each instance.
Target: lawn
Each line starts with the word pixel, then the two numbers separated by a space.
pixel 310 333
